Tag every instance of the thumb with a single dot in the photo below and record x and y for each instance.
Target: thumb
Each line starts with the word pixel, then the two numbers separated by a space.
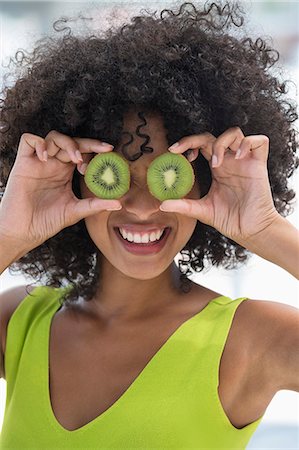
pixel 198 209
pixel 80 209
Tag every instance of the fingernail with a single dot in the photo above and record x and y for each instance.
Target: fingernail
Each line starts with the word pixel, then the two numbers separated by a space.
pixel 162 208
pixel 45 155
pixel 238 154
pixel 114 208
pixel 190 155
pixel 82 168
pixel 105 144
pixel 214 161
pixel 174 146
pixel 78 155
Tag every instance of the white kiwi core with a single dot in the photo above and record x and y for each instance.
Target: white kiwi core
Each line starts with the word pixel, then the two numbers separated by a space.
pixel 169 178
pixel 108 176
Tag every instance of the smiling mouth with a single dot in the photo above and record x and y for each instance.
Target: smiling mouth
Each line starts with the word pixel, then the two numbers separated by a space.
pixel 133 240
pixel 144 247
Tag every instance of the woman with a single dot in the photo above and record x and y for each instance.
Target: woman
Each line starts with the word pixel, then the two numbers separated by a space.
pixel 116 347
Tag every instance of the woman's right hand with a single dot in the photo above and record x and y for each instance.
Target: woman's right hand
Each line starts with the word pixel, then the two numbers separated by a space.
pixel 39 201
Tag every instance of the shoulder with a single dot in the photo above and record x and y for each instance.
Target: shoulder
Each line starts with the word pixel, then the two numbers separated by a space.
pixel 273 331
pixel 9 301
pixel 268 318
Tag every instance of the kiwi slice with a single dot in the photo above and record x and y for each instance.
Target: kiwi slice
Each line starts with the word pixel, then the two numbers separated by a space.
pixel 170 176
pixel 108 175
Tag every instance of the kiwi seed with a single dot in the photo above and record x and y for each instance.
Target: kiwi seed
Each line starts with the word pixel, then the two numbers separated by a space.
pixel 170 176
pixel 108 175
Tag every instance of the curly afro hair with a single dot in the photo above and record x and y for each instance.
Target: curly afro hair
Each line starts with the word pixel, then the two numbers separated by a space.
pixel 184 63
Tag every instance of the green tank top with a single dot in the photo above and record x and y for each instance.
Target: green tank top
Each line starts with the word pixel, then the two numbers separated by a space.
pixel 172 404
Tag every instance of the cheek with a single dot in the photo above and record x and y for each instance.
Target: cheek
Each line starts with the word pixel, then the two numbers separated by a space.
pixel 96 224
pixel 85 192
pixel 195 191
pixel 190 225
pixel 186 228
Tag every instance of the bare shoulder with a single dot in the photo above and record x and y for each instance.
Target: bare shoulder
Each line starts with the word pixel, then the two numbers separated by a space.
pixel 273 331
pixel 268 318
pixel 9 301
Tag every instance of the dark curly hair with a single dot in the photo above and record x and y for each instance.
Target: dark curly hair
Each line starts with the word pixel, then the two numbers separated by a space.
pixel 184 63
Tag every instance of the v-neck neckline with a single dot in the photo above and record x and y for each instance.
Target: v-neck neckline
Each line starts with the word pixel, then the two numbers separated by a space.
pixel 131 388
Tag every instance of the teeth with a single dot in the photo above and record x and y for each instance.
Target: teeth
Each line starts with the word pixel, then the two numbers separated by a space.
pixel 130 237
pixel 153 236
pixel 138 238
pixel 144 239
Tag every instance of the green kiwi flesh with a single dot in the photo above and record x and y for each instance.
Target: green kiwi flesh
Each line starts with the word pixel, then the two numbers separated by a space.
pixel 170 176
pixel 108 176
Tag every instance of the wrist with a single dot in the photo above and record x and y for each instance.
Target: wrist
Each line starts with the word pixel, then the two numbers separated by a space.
pixel 264 239
pixel 278 243
pixel 12 248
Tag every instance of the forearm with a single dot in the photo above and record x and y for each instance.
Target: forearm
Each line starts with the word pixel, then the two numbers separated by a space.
pixel 10 251
pixel 279 244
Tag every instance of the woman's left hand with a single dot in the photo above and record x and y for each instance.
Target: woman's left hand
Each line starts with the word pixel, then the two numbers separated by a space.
pixel 239 203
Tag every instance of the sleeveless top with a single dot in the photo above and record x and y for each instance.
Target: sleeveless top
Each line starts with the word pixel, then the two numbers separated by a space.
pixel 172 404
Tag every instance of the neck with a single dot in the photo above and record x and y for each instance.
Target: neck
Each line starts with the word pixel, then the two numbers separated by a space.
pixel 122 297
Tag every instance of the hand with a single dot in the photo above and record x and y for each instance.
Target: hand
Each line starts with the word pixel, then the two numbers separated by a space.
pixel 38 200
pixel 239 203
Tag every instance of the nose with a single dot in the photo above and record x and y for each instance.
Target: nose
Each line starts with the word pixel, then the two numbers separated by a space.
pixel 140 202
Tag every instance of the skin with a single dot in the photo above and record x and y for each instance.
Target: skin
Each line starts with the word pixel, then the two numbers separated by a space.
pixel 138 277
pixel 119 318
pixel 261 352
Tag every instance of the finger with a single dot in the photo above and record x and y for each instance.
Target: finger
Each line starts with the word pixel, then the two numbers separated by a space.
pixel 202 142
pixel 87 145
pixel 41 151
pixel 192 154
pixel 87 148
pixel 229 141
pixel 30 144
pixel 71 147
pixel 197 209
pixel 257 145
pixel 81 167
pixel 82 158
pixel 87 207
pixel 62 144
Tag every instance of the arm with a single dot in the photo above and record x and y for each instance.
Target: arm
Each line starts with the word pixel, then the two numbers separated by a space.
pixel 10 251
pixel 9 301
pixel 288 351
pixel 277 328
pixel 279 244
pixel 239 203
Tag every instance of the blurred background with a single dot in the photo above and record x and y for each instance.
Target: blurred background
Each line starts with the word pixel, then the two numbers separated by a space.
pixel 23 22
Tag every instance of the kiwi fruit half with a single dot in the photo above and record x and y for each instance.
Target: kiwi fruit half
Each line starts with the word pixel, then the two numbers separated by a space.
pixel 108 175
pixel 170 176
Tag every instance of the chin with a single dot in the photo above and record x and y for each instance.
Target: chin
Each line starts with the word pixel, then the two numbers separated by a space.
pixel 143 272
